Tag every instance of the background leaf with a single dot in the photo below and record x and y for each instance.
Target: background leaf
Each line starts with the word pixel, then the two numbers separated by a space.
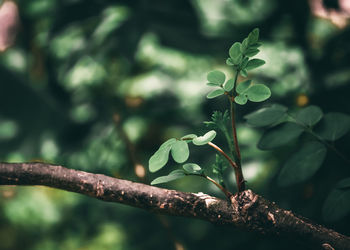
pixel 279 136
pixel 215 93
pixel 303 164
pixel 161 156
pixel 179 151
pixel 201 140
pixel 216 77
pixel 309 115
pixel 258 93
pixel 334 126
pixel 266 116
pixel 337 204
pixel 174 175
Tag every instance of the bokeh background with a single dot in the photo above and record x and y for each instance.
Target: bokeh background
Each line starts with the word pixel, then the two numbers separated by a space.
pixel 98 85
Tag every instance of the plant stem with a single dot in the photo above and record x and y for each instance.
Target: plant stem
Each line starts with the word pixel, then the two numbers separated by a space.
pixel 233 164
pixel 236 153
pixel 238 171
pixel 225 191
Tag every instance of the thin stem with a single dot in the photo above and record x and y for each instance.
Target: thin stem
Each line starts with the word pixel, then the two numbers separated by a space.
pixel 236 152
pixel 225 191
pixel 238 171
pixel 233 164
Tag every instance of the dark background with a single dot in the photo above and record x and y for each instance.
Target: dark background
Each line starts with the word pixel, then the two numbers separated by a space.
pixel 99 85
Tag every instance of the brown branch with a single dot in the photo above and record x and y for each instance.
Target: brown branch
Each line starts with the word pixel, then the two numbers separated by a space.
pixel 246 211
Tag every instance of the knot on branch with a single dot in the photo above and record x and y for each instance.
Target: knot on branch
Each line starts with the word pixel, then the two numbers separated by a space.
pixel 241 202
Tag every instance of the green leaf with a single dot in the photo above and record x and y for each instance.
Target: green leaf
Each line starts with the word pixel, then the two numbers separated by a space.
pixel 215 93
pixel 161 156
pixel 309 115
pixel 251 52
pixel 216 77
pixel 192 168
pixel 176 174
pixel 211 84
pixel 244 45
pixel 244 63
pixel 235 52
pixel 253 36
pixel 241 99
pixel 243 86
pixel 255 45
pixel 337 204
pixel 279 136
pixel 244 72
pixel 334 126
pixel 208 137
pixel 189 137
pixel 180 152
pixel 229 62
pixel 258 93
pixel 228 86
pixel 266 116
pixel 303 165
pixel 254 63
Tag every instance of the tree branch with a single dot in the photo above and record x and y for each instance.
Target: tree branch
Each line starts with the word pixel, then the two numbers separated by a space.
pixel 247 210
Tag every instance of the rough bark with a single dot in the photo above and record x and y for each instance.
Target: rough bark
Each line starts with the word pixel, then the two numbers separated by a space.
pixel 247 210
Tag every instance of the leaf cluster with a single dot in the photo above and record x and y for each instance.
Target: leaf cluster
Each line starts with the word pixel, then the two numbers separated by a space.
pixel 239 58
pixel 180 152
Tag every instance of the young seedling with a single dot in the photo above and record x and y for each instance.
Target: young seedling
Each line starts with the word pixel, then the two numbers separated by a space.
pixel 237 93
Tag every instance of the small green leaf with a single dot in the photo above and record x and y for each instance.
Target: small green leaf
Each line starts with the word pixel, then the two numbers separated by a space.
pixel 280 135
pixel 235 52
pixel 216 77
pixel 243 86
pixel 192 168
pixel 211 84
pixel 208 137
pixel 244 72
pixel 244 63
pixel 334 126
pixel 229 62
pixel 161 156
pixel 251 52
pixel 266 116
pixel 176 174
pixel 255 45
pixel 189 137
pixel 309 115
pixel 215 93
pixel 228 86
pixel 241 99
pixel 253 36
pixel 244 45
pixel 302 165
pixel 254 63
pixel 258 93
pixel 337 204
pixel 180 152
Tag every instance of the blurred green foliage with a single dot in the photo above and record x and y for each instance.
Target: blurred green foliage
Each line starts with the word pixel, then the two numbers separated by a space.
pixel 87 79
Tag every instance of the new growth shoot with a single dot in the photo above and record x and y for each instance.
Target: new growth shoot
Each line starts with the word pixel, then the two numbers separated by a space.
pixel 224 122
